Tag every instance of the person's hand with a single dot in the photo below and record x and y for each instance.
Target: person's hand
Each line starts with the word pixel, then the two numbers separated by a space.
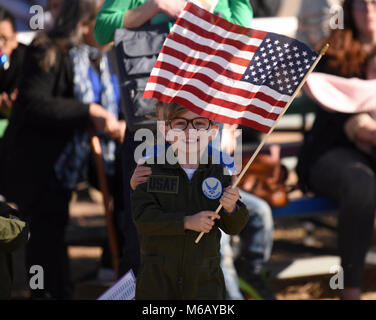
pixel 106 122
pixel 229 198
pixel 172 8
pixel 201 222
pixel 140 175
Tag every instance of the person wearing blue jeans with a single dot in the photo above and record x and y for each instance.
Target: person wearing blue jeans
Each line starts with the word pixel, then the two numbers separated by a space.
pixel 256 238
pixel 256 246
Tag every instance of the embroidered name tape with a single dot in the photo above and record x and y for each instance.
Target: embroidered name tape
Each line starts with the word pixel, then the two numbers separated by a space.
pixel 212 188
pixel 163 184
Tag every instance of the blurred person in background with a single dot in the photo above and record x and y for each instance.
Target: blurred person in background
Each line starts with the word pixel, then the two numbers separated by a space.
pixel 315 18
pixel 331 162
pixel 10 70
pixel 67 86
pixel 53 8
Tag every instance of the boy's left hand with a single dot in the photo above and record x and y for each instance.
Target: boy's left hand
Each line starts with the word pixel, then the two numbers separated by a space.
pixel 229 198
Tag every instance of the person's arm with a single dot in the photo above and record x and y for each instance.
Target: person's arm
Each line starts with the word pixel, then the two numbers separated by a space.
pixel 233 223
pixel 151 219
pixel 110 18
pixel 116 14
pixel 13 232
pixel 236 11
pixel 234 214
pixel 36 96
pixel 58 114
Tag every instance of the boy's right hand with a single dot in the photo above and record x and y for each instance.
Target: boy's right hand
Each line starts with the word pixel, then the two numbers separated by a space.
pixel 140 175
pixel 201 222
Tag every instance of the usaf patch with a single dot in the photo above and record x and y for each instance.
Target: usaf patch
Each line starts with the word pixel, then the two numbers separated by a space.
pixel 163 184
pixel 212 188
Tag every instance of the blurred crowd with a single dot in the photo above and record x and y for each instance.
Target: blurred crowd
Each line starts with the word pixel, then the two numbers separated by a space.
pixel 63 87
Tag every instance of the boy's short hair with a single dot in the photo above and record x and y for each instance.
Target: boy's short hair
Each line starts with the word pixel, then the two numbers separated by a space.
pixel 169 111
pixel 5 15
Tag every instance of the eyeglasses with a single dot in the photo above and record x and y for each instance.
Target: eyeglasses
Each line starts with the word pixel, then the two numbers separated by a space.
pixel 197 123
pixel 363 4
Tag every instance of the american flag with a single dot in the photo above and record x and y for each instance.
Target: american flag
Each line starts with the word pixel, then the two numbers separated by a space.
pixel 228 73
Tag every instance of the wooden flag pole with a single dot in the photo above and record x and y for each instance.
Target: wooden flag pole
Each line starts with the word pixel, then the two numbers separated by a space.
pixel 322 53
pixel 111 232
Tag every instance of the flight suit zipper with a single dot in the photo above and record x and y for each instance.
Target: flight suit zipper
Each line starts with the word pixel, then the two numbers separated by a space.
pixel 180 280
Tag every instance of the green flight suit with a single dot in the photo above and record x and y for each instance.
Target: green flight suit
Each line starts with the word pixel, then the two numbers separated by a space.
pixel 173 266
pixel 13 234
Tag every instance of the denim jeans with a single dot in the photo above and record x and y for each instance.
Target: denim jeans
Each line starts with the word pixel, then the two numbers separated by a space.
pixel 256 238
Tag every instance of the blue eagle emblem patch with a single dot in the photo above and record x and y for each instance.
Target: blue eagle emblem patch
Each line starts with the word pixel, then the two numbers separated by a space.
pixel 212 188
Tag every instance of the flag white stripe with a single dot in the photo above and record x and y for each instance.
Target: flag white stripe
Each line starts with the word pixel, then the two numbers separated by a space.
pixel 219 78
pixel 192 53
pixel 211 107
pixel 241 100
pixel 214 45
pixel 218 30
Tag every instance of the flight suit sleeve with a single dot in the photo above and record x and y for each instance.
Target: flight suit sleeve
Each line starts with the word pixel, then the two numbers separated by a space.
pixel 14 233
pixel 233 223
pixel 149 217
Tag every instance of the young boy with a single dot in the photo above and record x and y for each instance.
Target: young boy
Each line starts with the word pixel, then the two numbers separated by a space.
pixel 175 205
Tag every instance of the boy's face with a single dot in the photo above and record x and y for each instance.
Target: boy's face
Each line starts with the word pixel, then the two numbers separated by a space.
pixel 8 38
pixel 190 133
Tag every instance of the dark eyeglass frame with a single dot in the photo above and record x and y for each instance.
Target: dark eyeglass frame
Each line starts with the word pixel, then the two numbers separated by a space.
pixel 188 121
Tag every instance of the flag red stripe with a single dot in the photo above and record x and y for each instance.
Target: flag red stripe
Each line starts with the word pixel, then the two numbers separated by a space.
pixel 210 115
pixel 209 50
pixel 216 85
pixel 216 20
pixel 216 37
pixel 216 101
pixel 199 62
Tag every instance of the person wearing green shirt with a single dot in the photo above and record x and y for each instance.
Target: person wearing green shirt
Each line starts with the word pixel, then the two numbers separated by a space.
pixel 117 14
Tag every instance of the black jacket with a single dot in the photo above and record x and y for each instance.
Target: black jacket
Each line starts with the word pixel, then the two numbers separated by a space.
pixel 43 120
